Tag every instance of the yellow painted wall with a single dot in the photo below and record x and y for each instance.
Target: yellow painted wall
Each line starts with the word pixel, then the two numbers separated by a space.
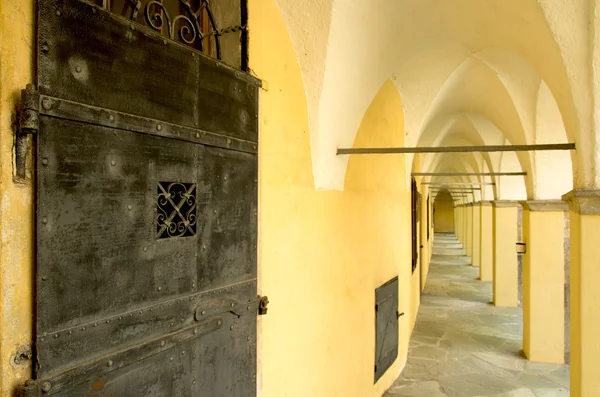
pixel 444 214
pixel 16 260
pixel 323 253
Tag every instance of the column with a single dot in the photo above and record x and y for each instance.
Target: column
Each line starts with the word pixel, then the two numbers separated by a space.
pixel 469 229
pixel 544 280
pixel 584 206
pixel 475 258
pixel 486 253
pixel 458 223
pixel 505 265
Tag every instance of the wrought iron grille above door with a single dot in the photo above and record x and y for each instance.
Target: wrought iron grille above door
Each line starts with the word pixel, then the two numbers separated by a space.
pixel 218 28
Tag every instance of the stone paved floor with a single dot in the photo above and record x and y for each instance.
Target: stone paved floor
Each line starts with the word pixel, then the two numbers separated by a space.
pixel 462 346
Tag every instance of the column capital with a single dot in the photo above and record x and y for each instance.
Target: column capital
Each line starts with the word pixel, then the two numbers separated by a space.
pixel 584 202
pixel 545 205
pixel 485 203
pixel 505 203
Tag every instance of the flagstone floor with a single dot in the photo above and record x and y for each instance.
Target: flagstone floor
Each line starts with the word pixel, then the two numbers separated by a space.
pixel 462 346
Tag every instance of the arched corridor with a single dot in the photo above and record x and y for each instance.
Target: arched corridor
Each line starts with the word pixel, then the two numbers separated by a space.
pixel 299 198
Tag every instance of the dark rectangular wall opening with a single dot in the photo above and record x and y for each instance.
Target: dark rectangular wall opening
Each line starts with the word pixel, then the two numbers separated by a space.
pixel 386 326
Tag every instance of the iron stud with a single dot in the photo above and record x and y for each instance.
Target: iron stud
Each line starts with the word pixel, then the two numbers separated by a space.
pixel 219 323
pixel 78 69
pixel 47 103
pixel 57 12
pixel 44 278
pixel 111 117
pixel 203 312
pixel 159 127
pixel 45 161
pixel 129 207
pixel 233 305
pixel 231 328
pixel 159 288
pixel 197 135
pixel 44 220
pixel 195 331
pixel 113 163
pixel 94 10
pixel 46 386
pixel 45 48
pixel 110 363
pixel 162 343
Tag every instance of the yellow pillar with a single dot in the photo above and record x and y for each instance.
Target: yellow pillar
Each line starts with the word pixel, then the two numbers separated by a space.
pixel 506 268
pixel 585 292
pixel 469 229
pixel 486 253
pixel 463 223
pixel 544 280
pixel 463 210
pixel 426 237
pixel 475 257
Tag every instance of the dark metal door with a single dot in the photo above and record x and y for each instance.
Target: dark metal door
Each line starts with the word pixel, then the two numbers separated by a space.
pixel 414 204
pixel 146 211
pixel 386 326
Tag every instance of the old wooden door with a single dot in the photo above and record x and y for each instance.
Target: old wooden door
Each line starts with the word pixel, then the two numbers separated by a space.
pixel 146 202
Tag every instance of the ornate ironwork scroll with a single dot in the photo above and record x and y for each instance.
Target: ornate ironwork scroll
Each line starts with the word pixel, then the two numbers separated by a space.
pixel 176 210
pixel 190 22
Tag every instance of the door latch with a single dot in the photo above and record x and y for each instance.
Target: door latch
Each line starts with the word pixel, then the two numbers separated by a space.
pixel 262 305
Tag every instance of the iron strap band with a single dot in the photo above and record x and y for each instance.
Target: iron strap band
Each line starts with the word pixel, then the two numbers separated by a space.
pixel 182 304
pixel 103 365
pixel 75 111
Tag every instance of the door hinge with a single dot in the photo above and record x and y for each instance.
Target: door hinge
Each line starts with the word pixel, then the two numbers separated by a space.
pixel 28 124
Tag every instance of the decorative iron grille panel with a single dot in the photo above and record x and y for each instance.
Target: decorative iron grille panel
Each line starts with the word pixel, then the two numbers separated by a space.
pixel 216 28
pixel 176 210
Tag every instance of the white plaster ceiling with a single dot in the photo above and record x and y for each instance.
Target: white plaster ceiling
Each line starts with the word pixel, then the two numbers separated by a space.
pixel 469 72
